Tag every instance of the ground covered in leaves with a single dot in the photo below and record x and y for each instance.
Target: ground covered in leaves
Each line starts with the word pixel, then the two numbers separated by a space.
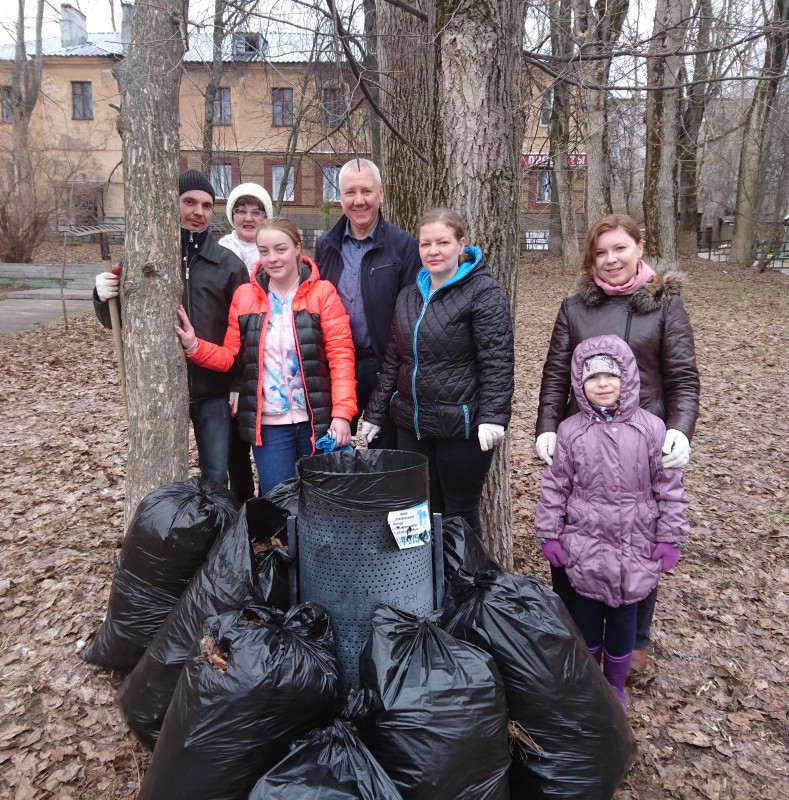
pixel 710 713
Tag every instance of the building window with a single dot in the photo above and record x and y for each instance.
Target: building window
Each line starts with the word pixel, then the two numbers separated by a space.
pixel 543 186
pixel 81 100
pixel 221 179
pixel 331 184
pixel 545 109
pixel 333 105
pixel 282 106
pixel 277 176
pixel 222 106
pixel 250 44
pixel 6 99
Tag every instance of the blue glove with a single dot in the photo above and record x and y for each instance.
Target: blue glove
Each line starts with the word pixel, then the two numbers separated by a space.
pixel 328 444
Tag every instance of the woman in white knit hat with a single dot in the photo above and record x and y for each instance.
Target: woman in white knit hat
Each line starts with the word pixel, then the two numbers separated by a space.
pixel 248 205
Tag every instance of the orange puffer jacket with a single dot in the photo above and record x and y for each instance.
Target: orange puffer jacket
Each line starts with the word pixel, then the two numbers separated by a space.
pixel 323 339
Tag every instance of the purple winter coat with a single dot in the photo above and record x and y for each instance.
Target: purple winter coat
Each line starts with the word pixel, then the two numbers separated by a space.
pixel 607 497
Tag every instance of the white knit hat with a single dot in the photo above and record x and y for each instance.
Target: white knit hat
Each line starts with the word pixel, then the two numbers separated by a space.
pixel 249 190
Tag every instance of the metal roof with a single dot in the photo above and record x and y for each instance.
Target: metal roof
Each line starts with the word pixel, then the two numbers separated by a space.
pixel 200 49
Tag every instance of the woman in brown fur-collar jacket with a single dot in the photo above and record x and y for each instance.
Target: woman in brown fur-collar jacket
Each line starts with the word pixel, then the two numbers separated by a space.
pixel 617 293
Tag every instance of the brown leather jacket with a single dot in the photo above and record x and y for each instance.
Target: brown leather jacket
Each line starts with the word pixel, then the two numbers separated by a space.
pixel 653 321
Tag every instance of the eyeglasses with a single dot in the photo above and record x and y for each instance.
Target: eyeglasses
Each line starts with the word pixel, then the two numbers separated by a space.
pixel 257 213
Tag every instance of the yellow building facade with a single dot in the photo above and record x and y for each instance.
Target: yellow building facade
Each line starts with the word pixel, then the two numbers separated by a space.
pixel 276 123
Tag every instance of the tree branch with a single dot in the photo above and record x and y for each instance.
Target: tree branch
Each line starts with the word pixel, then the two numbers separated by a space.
pixel 357 73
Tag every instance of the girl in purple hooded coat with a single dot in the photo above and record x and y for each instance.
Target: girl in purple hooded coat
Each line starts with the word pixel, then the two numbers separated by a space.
pixel 609 512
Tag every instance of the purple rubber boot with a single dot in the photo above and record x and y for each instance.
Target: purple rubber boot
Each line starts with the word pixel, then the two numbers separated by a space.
pixel 596 652
pixel 615 669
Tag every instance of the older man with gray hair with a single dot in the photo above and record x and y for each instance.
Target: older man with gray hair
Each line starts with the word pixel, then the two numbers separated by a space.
pixel 369 261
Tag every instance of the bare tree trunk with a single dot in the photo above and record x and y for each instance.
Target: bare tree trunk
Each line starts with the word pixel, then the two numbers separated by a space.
pixel 598 25
pixel 473 69
pixel 408 57
pixel 748 178
pixel 690 130
pixel 149 80
pixel 214 79
pixel 662 129
pixel 563 206
pixel 371 66
pixel 22 227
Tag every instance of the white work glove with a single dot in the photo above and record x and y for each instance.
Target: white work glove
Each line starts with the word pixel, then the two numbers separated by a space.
pixel 233 400
pixel 676 449
pixel 489 435
pixel 107 286
pixel 545 446
pixel 368 431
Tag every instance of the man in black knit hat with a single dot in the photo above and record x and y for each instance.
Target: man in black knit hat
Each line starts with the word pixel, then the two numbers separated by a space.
pixel 210 276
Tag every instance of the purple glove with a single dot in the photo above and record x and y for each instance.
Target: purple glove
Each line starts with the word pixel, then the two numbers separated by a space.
pixel 552 550
pixel 667 552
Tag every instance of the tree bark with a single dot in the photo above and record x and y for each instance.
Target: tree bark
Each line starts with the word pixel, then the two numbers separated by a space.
pixel 563 206
pixel 690 129
pixel 214 79
pixel 467 62
pixel 23 224
pixel 748 178
pixel 149 80
pixel 599 26
pixel 662 130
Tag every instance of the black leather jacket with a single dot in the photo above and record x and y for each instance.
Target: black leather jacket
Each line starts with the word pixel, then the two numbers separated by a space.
pixel 654 323
pixel 210 274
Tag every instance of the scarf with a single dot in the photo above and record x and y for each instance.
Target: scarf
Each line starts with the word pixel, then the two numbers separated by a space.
pixel 644 274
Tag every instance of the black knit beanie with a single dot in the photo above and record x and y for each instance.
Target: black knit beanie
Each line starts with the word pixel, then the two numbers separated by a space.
pixel 193 179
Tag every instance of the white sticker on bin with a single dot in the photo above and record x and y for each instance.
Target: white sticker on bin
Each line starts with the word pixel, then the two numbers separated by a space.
pixel 410 526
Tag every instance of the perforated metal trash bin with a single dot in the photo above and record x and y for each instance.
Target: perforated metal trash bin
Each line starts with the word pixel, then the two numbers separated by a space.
pixel 347 554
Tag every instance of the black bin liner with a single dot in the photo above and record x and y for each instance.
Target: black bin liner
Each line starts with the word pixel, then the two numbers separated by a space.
pixel 229 579
pixel 166 542
pixel 349 560
pixel 442 733
pixel 330 764
pixel 231 720
pixel 556 691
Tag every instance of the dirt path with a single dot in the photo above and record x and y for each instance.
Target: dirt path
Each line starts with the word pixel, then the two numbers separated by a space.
pixel 710 714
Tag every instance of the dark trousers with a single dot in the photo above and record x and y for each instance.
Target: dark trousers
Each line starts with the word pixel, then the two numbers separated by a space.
pixel 239 464
pixel 614 628
pixel 211 424
pixel 366 379
pixel 457 470
pixel 645 609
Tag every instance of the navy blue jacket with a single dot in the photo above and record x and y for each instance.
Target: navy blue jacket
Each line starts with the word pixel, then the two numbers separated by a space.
pixel 391 264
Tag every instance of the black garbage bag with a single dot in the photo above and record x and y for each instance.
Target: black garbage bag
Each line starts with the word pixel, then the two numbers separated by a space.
pixel 464 556
pixel 229 579
pixel 285 496
pixel 166 542
pixel 329 764
pixel 442 733
pixel 581 743
pixel 263 678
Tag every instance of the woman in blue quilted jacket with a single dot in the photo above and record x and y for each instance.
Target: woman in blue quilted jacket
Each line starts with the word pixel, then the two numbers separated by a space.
pixel 448 373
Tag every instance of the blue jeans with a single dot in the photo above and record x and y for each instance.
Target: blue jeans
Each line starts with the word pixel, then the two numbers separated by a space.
pixel 615 628
pixel 283 446
pixel 211 423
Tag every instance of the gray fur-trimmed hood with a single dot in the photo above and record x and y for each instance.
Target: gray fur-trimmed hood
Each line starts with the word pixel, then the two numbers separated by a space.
pixel 665 285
